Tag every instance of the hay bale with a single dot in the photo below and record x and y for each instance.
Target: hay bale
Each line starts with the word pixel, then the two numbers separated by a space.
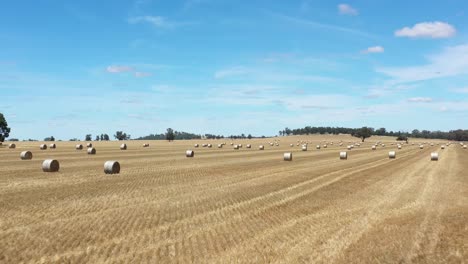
pixel 399 146
pixel 341 144
pixel 111 167
pixel 52 146
pixel 434 156
pixel 271 144
pixel 43 146
pixel 204 145
pixel 209 145
pixel 391 154
pixel 91 151
pixel 261 147
pixel 232 144
pixel 287 156
pixel 12 146
pixel 50 165
pixel 349 147
pixel 297 144
pixel 304 147
pixel 317 147
pixel 421 146
pixel 189 153
pixel 325 146
pixel 343 155
pixel 220 145
pixel 248 146
pixel 464 146
pixel 89 145
pixel 442 147
pixel 374 147
pixel 383 145
pixel 236 146
pixel 146 145
pixel 291 145
pixel 240 145
pixel 79 147
pixel 196 145
pixel 123 146
pixel 26 155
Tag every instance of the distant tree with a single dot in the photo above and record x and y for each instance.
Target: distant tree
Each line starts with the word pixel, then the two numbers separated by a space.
pixel 249 136
pixel 106 137
pixel 4 129
pixel 170 136
pixel 119 135
pixel 13 139
pixel 363 133
pixel 97 138
pixel 402 138
pixel 88 137
pixel 49 138
pixel 102 137
pixel 74 139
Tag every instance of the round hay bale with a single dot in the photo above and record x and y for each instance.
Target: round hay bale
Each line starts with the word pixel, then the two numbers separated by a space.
pixel 91 151
pixel 232 144
pixel 196 145
pixel 442 147
pixel 52 146
pixel 236 146
pixel 12 146
pixel 240 145
pixel 204 145
pixel 50 165
pixel 341 144
pixel 317 147
pixel 421 146
pixel 261 147
pixel 432 144
pixel 343 155
pixel 297 144
pixel 43 146
pixel 79 147
pixel 374 147
pixel 189 153
pixel 324 146
pixel 248 146
pixel 464 146
pixel 111 167
pixel 434 156
pixel 304 147
pixel 209 145
pixel 277 144
pixel 287 156
pixel 383 145
pixel 26 155
pixel 220 145
pixel 291 145
pixel 271 144
pixel 349 147
pixel 146 145
pixel 89 145
pixel 391 154
pixel 123 146
pixel 399 146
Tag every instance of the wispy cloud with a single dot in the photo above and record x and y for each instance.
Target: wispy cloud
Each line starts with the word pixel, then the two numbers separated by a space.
pixel 324 26
pixel 234 71
pixel 434 30
pixel 142 74
pixel 419 100
pixel 461 90
pixel 452 61
pixel 374 49
pixel 159 22
pixel 118 69
pixel 346 9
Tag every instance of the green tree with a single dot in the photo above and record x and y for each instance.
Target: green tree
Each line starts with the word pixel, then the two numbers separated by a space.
pixel 88 137
pixel 4 129
pixel 49 138
pixel 97 138
pixel 170 136
pixel 363 133
pixel 119 135
pixel 249 136
pixel 106 137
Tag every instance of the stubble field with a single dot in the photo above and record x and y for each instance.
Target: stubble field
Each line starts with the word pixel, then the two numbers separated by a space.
pixel 235 206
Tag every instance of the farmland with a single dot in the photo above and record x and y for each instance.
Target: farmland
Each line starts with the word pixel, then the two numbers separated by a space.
pixel 236 206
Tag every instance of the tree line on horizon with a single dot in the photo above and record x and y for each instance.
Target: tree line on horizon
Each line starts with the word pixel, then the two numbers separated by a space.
pixel 457 135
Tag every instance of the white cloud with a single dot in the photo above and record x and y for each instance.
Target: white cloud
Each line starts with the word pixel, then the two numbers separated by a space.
pixel 156 21
pixel 142 74
pixel 420 100
pixel 346 9
pixel 375 49
pixel 461 90
pixel 118 69
pixel 435 29
pixel 234 71
pixel 452 61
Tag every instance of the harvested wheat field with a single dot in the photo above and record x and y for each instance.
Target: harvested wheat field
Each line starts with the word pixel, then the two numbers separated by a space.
pixel 236 206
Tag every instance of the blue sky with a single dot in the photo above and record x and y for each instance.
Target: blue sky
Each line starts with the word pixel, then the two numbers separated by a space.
pixel 69 68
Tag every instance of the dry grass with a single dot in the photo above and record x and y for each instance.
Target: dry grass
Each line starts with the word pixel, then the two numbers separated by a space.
pixel 235 206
